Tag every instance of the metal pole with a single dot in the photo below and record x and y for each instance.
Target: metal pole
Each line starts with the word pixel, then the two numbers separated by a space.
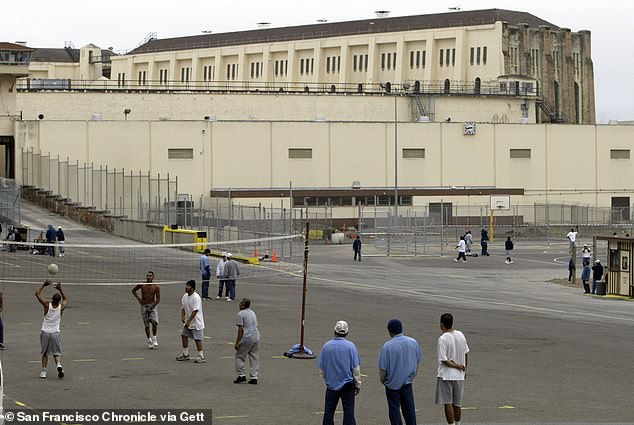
pixel 395 159
pixel 302 353
pixel 442 227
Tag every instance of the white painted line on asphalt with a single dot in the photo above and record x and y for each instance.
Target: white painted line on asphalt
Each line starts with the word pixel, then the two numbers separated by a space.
pixel 473 300
pixel 84 360
pixel 132 358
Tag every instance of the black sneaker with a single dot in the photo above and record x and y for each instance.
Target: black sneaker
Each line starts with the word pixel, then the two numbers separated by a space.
pixel 60 371
pixel 240 379
pixel 253 381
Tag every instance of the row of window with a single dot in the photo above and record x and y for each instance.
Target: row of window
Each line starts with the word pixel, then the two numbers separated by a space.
pixel 420 56
pixel 391 60
pixel 336 64
pixel 417 59
pixel 408 153
pixel 348 201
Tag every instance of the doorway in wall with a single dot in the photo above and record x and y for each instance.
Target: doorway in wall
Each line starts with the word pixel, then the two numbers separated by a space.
pixel 7 156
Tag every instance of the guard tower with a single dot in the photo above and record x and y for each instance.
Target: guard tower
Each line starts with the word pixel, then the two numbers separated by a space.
pixel 14 63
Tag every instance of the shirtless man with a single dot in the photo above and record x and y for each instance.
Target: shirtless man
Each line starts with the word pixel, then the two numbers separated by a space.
pixel 149 299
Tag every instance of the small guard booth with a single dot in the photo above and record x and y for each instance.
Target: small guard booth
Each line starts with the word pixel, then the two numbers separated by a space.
pixel 620 278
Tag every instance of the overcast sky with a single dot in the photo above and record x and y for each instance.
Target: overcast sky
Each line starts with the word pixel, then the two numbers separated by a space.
pixel 123 24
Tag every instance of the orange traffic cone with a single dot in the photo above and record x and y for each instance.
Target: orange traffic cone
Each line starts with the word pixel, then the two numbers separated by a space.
pixel 255 254
pixel 274 256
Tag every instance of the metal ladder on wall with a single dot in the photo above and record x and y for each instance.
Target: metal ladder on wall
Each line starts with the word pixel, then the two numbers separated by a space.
pixel 420 106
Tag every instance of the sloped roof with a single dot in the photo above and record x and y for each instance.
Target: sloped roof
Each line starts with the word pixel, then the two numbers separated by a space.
pixel 338 29
pixel 14 47
pixel 63 55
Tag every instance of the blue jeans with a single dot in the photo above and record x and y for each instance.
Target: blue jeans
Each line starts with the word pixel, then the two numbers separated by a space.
pixel 485 247
pixel 357 253
pixel 222 284
pixel 51 250
pixel 231 288
pixel 206 285
pixel 346 394
pixel 402 399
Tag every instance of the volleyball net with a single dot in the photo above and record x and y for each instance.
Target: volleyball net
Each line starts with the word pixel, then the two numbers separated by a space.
pixel 103 264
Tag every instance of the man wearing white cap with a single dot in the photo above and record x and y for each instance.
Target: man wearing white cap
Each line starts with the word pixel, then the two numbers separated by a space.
pixel 341 369
pixel 231 273
pixel 220 274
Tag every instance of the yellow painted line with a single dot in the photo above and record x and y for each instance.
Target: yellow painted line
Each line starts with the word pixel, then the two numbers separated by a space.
pixel 227 357
pixel 20 404
pixel 279 357
pixel 35 361
pixel 365 376
pixel 132 358
pixel 83 323
pixel 84 360
pixel 231 417
pixel 207 337
pixel 469 408
pixel 26 323
pixel 506 407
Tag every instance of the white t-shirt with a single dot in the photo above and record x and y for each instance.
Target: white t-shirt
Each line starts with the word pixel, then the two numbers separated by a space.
pixel 452 346
pixel 586 253
pixel 190 303
pixel 52 319
pixel 462 246
pixel 572 236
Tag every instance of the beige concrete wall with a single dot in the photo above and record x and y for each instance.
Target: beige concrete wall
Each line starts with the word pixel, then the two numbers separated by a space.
pixel 258 107
pixel 568 163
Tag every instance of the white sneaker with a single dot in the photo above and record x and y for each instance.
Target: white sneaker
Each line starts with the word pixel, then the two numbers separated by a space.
pixel 218 297
pixel 455 259
pixel 200 359
pixel 150 345
pixel 511 262
pixel 154 343
pixel 229 299
pixel 43 373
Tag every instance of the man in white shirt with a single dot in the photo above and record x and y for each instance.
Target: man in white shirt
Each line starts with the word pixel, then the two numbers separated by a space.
pixel 462 248
pixel 194 324
pixel 572 237
pixel 50 331
pixel 452 367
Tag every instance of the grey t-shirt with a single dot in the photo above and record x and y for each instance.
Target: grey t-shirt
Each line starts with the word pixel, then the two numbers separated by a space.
pixel 248 319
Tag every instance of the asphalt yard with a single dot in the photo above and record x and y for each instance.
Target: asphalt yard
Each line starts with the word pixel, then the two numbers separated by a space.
pixel 541 352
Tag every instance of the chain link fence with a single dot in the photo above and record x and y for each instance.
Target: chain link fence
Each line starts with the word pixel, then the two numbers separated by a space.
pixel 435 229
pixel 10 198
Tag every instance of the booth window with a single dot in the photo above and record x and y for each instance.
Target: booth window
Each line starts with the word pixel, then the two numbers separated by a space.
pixel 180 153
pixel 300 153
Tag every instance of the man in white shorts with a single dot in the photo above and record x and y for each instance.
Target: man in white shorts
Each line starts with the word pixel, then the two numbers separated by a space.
pixel 49 336
pixel 194 324
pixel 452 367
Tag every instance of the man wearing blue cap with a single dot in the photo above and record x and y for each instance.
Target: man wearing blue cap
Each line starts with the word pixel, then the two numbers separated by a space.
pixel 398 365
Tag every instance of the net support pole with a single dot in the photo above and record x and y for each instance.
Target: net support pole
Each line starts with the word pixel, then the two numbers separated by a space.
pixel 302 354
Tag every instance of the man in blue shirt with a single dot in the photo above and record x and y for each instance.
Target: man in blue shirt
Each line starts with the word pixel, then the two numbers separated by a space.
pixel 341 369
pixel 398 365
pixel 205 271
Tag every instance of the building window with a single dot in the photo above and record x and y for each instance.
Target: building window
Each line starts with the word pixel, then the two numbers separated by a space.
pixel 180 153
pixel 411 59
pixel 424 55
pixel 453 57
pixel 382 61
pixel 520 153
pixel 619 154
pixel 354 63
pixel 441 56
pixel 389 61
pixel 447 86
pixel 484 55
pixel 163 76
pixel 328 65
pixel 471 55
pixel 300 153
pixel 478 56
pixel 447 57
pixel 365 67
pixel 233 71
pixel 286 67
pixel 121 79
pixel 418 60
pixel 338 64
pixel 413 153
pixel 142 76
pixel 394 59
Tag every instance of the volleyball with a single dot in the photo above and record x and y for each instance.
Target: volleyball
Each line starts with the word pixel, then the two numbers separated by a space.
pixel 53 269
